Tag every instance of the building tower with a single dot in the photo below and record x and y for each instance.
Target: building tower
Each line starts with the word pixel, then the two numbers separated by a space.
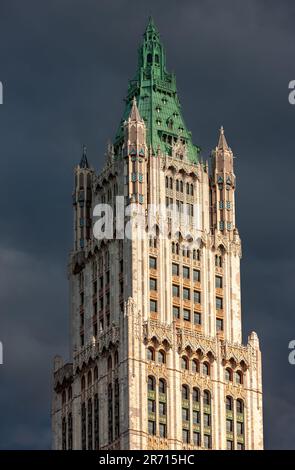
pixel 157 360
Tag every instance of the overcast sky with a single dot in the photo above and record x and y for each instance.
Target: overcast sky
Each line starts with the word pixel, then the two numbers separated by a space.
pixel 65 66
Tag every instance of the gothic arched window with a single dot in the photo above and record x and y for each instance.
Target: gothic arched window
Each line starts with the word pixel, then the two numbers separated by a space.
pixel 207 397
pixel 185 392
pixel 229 403
pixel 184 363
pixel 206 368
pixel 151 383
pixel 195 366
pixel 196 395
pixel 95 373
pixel 161 357
pixel 239 377
pixel 116 358
pixel 228 375
pixel 150 354
pixel 240 406
pixel 83 383
pixel 89 378
pixel 162 386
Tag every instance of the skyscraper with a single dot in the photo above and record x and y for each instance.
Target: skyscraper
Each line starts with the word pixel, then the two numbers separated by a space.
pixel 157 360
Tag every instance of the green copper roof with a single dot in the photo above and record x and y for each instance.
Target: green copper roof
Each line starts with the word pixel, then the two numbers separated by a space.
pixel 157 100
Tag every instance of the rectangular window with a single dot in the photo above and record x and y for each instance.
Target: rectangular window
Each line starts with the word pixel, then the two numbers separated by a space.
pixel 101 282
pixel 219 324
pixel 229 445
pixel 162 430
pixel 176 312
pixel 197 439
pixel 151 406
pixel 186 314
pixel 162 409
pixel 207 441
pixel 185 272
pixel 101 303
pixel 152 427
pixel 185 436
pixel 240 428
pixel 175 290
pixel 196 275
pixel 95 287
pixel 153 284
pixel 218 282
pixel 229 425
pixel 186 293
pixel 207 419
pixel 108 277
pixel 175 269
pixel 219 303
pixel 185 414
pixel 153 306
pixel 197 318
pixel 153 262
pixel 196 417
pixel 197 297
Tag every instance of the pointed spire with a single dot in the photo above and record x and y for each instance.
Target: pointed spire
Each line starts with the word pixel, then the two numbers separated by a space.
pixel 222 143
pixel 84 161
pixel 151 27
pixel 134 113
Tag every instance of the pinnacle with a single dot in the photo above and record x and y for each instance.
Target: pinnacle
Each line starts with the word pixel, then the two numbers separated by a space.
pixel 134 113
pixel 222 143
pixel 84 161
pixel 151 27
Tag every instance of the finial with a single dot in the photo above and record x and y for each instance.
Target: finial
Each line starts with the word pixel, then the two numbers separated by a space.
pixel 222 143
pixel 134 113
pixel 84 161
pixel 151 27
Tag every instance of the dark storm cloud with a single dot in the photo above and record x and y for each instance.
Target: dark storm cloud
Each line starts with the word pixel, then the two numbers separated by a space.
pixel 64 67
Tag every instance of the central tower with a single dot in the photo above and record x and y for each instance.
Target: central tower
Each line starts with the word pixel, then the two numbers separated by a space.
pixel 157 360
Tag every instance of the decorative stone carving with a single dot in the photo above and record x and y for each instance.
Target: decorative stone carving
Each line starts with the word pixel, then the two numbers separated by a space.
pixel 196 341
pixel 236 352
pixel 162 332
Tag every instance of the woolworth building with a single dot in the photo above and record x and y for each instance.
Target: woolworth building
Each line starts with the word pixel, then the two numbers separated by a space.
pixel 157 359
